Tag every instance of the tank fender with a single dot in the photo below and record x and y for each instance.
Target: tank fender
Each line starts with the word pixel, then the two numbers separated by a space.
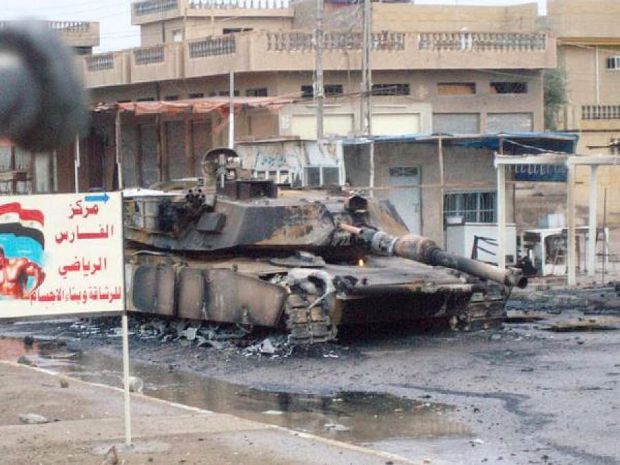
pixel 220 295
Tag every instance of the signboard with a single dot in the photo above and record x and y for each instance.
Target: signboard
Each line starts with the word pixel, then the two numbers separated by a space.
pixel 540 173
pixel 61 254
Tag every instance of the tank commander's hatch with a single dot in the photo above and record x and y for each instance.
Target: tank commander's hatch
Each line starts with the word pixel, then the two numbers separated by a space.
pixel 222 169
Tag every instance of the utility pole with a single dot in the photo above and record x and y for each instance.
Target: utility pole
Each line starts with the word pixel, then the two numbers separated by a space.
pixel 231 110
pixel 366 94
pixel 318 70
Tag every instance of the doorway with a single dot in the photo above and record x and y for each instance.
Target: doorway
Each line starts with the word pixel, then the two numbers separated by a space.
pixel 406 196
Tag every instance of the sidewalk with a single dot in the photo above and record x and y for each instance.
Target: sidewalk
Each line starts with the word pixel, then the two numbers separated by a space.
pixel 87 419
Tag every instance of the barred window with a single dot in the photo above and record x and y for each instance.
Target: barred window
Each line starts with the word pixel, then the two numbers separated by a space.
pixel 509 87
pixel 332 89
pixel 613 63
pixel 473 207
pixel 258 92
pixel 390 89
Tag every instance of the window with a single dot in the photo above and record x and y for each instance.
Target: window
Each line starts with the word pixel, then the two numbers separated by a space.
pixel 258 92
pixel 316 176
pixel 613 63
pixel 196 95
pixel 456 88
pixel 307 91
pixel 473 207
pixel 171 98
pixel 508 88
pixel 614 147
pixel 146 99
pixel 225 93
pixel 328 90
pixel 233 30
pixel 177 35
pixel 390 89
pixel 332 89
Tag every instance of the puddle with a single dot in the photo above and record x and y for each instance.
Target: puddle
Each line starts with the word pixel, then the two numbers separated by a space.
pixel 357 417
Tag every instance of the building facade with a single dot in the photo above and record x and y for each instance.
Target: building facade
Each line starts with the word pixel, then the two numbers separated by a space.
pixel 435 69
pixel 22 171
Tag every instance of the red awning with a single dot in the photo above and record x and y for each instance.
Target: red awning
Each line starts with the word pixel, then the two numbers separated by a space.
pixel 195 106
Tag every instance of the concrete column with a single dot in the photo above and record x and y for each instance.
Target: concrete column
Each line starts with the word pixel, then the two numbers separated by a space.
pixel 592 220
pixel 501 216
pixel 571 261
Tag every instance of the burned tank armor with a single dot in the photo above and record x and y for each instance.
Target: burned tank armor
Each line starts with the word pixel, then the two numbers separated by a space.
pixel 238 250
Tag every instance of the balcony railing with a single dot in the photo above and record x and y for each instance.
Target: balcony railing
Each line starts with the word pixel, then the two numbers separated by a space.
pixel 63 26
pixel 482 41
pixel 304 41
pixel 70 26
pixel 148 7
pixel 247 4
pixel 213 46
pixel 149 55
pixel 100 62
pixel 589 112
pixel 259 51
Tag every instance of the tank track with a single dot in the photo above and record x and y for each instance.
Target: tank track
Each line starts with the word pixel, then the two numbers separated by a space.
pixel 307 325
pixel 484 310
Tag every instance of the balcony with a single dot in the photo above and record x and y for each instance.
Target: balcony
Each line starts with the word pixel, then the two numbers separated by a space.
pixel 106 69
pixel 148 11
pixel 74 33
pixel 294 51
pixel 163 61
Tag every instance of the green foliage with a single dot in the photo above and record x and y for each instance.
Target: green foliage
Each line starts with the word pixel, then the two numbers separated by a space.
pixel 555 96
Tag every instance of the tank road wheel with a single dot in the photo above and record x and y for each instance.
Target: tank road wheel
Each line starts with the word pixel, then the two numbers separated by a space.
pixel 485 310
pixel 307 325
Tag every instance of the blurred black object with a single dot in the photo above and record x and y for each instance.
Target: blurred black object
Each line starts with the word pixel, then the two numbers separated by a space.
pixel 42 100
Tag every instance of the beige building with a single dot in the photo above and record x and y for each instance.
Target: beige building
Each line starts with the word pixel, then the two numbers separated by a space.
pixel 435 69
pixel 589 57
pixel 22 171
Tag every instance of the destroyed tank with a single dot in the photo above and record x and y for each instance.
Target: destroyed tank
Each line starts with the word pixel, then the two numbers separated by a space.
pixel 228 248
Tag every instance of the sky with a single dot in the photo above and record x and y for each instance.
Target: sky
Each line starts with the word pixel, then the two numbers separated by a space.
pixel 115 18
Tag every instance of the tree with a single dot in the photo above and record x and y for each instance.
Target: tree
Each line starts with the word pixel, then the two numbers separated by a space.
pixel 554 96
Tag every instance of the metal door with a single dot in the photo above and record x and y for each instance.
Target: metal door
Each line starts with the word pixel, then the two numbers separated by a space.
pixel 406 199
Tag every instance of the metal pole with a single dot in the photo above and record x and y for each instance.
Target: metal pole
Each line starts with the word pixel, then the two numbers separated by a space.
pixel 76 164
pixel 606 243
pixel 501 216
pixel 231 110
pixel 570 215
pixel 592 234
pixel 366 94
pixel 125 336
pixel 371 156
pixel 319 87
pixel 117 141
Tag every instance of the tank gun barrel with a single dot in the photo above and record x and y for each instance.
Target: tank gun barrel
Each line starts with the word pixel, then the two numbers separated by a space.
pixel 424 250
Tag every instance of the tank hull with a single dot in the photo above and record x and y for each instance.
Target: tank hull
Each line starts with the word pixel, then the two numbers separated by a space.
pixel 311 302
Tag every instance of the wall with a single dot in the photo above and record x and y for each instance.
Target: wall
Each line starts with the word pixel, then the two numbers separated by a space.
pixel 466 170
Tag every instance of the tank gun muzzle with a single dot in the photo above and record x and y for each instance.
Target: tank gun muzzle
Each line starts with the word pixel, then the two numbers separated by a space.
pixel 425 250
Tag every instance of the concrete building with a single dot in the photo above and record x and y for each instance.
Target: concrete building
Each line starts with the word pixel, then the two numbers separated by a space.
pixel 589 59
pixel 435 69
pixel 22 171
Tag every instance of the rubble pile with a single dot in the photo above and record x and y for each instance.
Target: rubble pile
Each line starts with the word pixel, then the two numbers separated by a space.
pixel 595 300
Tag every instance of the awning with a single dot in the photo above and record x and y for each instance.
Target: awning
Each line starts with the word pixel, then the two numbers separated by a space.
pixel 194 106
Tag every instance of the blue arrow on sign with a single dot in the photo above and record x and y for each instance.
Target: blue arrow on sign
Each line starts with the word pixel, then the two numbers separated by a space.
pixel 97 198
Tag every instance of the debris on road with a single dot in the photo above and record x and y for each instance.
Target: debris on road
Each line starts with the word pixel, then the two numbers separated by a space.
pixel 33 419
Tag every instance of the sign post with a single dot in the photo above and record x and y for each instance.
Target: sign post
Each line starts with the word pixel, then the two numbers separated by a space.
pixel 62 254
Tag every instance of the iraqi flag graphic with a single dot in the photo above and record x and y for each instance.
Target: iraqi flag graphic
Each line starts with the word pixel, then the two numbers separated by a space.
pixel 21 231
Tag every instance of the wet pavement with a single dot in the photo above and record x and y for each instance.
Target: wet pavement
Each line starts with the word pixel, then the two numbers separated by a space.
pixel 521 395
pixel 355 417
